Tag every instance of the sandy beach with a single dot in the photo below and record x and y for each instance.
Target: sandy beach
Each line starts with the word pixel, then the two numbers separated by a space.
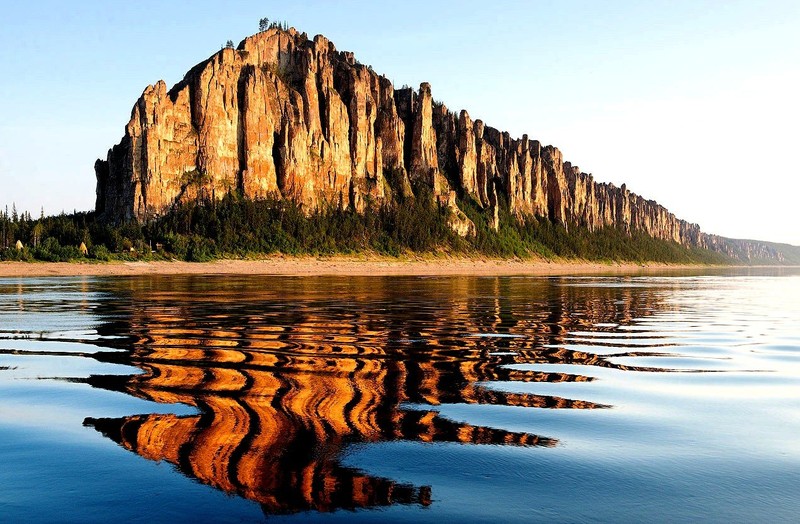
pixel 336 265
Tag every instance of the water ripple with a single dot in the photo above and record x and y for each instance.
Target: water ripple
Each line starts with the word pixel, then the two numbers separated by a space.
pixel 285 375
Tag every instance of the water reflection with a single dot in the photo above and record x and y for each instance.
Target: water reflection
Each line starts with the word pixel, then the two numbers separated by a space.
pixel 458 399
pixel 286 373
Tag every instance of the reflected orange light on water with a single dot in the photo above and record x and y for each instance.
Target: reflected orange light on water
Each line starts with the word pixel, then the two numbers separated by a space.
pixel 282 393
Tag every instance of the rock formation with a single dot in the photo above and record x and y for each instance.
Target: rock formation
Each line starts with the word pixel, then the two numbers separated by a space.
pixel 288 117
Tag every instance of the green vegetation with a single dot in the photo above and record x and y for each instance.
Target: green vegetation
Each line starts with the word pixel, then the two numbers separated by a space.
pixel 264 24
pixel 238 227
pixel 242 227
pixel 59 238
pixel 541 237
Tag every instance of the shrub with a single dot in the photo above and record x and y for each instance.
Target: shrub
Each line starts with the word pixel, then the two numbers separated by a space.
pixel 100 252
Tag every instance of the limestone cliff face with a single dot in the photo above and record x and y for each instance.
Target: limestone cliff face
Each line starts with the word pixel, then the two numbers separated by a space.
pixel 289 117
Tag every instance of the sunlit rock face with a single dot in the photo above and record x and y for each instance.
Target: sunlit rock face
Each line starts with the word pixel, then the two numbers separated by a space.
pixel 289 117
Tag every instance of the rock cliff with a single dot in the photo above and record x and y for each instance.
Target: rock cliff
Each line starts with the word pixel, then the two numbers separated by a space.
pixel 289 117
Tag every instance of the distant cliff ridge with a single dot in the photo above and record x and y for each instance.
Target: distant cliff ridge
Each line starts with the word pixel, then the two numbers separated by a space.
pixel 288 117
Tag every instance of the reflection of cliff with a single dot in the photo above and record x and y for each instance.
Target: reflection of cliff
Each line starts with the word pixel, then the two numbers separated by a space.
pixel 285 378
pixel 273 427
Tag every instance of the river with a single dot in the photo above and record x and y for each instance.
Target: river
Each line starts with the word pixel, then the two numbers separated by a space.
pixel 671 397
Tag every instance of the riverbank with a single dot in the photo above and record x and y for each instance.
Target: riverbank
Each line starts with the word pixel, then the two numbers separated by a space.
pixel 335 265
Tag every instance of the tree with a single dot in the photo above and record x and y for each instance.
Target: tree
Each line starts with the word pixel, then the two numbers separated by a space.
pixel 38 229
pixel 263 24
pixel 229 44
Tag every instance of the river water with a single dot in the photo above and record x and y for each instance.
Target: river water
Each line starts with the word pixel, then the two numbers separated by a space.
pixel 669 398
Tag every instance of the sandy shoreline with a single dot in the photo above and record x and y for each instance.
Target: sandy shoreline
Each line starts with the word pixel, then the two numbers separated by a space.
pixel 337 265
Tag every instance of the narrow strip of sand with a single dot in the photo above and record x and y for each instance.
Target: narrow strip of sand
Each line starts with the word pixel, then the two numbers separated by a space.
pixel 337 265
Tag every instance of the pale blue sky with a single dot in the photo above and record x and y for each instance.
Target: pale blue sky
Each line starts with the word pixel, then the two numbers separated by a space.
pixel 691 103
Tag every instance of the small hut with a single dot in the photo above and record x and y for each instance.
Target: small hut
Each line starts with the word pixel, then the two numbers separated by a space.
pixel 19 245
pixel 83 249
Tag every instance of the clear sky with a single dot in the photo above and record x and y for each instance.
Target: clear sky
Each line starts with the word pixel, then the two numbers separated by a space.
pixel 691 103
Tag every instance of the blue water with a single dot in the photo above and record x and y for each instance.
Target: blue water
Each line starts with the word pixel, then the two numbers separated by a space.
pixel 667 398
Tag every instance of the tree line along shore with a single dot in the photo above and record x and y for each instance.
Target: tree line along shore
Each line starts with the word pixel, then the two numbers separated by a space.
pixel 240 228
